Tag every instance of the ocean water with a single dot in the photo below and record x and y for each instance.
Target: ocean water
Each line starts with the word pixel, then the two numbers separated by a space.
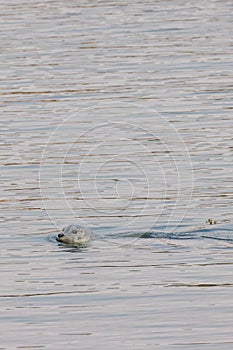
pixel 116 115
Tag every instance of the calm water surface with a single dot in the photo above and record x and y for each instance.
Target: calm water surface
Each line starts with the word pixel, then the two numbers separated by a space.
pixel 117 115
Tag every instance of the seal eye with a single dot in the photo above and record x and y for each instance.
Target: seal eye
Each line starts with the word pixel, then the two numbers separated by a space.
pixel 74 231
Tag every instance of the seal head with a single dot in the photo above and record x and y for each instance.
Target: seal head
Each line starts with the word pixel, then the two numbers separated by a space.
pixel 75 235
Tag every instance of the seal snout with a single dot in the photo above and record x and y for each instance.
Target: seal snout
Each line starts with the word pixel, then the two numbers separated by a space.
pixel 60 235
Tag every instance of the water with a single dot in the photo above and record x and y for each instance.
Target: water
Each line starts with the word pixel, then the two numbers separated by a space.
pixel 116 115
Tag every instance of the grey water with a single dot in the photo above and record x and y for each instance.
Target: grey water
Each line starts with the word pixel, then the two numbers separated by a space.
pixel 116 115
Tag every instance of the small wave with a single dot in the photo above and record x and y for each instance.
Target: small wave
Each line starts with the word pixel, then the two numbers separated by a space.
pixel 204 232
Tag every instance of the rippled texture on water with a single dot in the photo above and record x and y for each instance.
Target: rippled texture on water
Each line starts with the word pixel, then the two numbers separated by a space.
pixel 117 115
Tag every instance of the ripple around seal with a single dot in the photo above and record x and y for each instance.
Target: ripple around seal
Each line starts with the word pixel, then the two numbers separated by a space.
pixel 206 232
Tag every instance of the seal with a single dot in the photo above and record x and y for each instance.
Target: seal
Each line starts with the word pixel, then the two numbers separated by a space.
pixel 75 235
